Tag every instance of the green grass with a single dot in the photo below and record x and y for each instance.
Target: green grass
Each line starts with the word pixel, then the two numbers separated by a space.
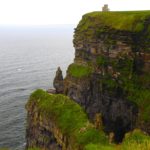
pixel 69 117
pixel 136 140
pixel 99 147
pixel 142 98
pixel 79 71
pixel 123 20
pixel 97 25
pixel 53 105
pixel 92 135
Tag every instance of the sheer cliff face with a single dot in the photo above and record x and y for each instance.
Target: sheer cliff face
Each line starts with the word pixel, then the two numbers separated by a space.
pixel 110 73
pixel 41 132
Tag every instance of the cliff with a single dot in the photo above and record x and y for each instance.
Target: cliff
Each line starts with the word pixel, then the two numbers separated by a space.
pixel 111 71
pixel 55 122
pixel 110 76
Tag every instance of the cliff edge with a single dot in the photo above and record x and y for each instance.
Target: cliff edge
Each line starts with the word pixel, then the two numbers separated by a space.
pixel 110 75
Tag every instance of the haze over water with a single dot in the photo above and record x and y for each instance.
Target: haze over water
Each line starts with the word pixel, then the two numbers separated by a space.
pixel 29 57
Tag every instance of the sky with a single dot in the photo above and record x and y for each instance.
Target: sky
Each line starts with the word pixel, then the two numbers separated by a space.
pixel 45 12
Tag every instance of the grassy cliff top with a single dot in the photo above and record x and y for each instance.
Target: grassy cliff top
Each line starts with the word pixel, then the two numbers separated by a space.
pixel 120 20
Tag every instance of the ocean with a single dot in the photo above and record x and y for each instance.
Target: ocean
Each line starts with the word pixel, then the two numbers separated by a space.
pixel 29 57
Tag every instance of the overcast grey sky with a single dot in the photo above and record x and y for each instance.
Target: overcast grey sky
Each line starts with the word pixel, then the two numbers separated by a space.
pixel 44 12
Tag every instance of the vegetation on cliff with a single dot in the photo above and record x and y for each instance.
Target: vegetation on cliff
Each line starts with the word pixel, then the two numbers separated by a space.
pixel 79 71
pixel 69 118
pixel 97 24
pixel 128 75
pixel 136 140
pixel 121 20
pixel 133 82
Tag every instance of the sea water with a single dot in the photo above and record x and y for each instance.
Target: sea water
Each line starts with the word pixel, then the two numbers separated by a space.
pixel 29 57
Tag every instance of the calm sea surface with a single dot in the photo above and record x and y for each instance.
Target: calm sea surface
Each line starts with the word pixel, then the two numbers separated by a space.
pixel 29 57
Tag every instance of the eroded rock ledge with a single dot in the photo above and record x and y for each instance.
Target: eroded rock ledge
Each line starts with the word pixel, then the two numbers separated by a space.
pixel 110 74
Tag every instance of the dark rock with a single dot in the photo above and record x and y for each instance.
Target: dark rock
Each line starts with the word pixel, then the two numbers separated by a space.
pixel 58 81
pixel 51 91
pixel 40 131
pixel 119 115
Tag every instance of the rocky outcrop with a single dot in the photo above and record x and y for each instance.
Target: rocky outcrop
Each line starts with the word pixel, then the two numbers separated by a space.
pixel 58 81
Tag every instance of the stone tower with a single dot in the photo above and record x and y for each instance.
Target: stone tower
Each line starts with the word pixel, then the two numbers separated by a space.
pixel 105 8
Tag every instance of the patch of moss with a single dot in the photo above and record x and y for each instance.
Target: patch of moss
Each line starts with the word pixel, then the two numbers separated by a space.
pixel 69 117
pixel 92 135
pixel 101 61
pixel 110 83
pixel 79 71
pixel 99 147
pixel 136 140
pixel 142 98
pixel 136 89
